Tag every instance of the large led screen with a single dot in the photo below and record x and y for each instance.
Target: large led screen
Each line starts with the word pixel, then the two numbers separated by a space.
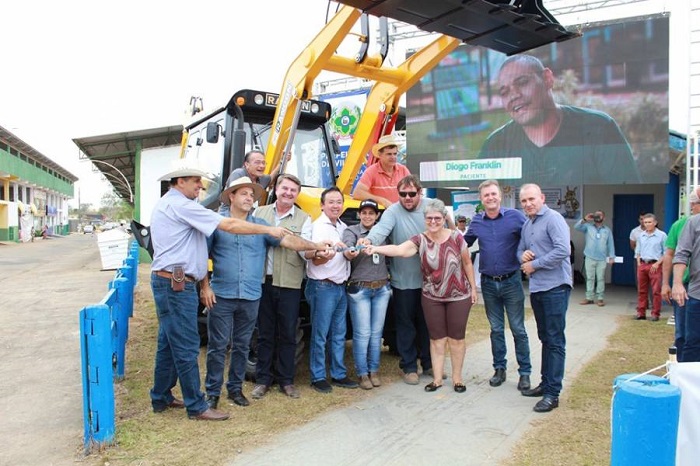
pixel 593 110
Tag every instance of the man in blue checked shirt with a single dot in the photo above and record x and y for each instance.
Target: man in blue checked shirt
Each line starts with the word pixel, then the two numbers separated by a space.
pixel 235 290
pixel 599 250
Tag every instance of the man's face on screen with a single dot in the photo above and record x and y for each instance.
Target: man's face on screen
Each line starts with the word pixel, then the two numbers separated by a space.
pixel 525 92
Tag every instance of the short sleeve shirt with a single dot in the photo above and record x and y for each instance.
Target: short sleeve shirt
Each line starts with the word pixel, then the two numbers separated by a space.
pixel 443 275
pixel 380 183
pixel 179 230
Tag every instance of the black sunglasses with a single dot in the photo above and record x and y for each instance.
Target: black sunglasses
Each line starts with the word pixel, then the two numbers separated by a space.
pixel 410 194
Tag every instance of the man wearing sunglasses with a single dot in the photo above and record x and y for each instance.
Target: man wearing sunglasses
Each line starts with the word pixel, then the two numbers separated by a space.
pixel 400 222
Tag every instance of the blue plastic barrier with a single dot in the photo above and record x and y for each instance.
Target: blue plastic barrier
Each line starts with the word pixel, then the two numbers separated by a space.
pixel 644 421
pixel 104 333
pixel 98 391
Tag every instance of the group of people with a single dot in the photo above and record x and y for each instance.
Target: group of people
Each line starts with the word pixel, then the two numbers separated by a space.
pixel 260 258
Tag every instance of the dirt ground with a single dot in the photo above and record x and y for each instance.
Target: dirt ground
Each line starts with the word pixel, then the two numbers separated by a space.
pixel 44 285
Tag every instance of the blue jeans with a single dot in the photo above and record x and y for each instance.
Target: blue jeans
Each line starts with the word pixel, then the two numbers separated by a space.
pixel 595 278
pixel 550 308
pixel 412 340
pixel 367 311
pixel 230 320
pixel 277 327
pixel 328 313
pixel 178 346
pixel 691 347
pixel 507 297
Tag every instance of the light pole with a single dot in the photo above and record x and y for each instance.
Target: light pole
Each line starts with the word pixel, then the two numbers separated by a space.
pixel 128 185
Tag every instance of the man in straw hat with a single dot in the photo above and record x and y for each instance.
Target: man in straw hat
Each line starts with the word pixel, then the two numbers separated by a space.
pixel 179 230
pixel 235 291
pixel 379 180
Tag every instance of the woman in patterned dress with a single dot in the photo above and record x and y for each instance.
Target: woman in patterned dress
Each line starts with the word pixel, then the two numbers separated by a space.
pixel 449 289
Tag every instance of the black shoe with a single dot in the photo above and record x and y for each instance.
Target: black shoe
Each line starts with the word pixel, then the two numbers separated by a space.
pixel 431 387
pixel 498 377
pixel 641 318
pixel 524 383
pixel 345 382
pixel 534 392
pixel 546 404
pixel 238 398
pixel 213 401
pixel 654 318
pixel 322 386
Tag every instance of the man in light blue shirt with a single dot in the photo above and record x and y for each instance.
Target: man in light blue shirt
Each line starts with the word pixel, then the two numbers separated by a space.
pixel 179 230
pixel 544 252
pixel 648 253
pixel 599 250
pixel 234 293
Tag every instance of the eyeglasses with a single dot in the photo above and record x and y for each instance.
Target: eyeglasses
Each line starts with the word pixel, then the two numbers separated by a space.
pixel 434 219
pixel 410 194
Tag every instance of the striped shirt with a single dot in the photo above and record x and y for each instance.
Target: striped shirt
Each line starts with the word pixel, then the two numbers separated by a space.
pixel 444 279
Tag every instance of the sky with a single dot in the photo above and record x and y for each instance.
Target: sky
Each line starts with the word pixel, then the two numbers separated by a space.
pixel 82 68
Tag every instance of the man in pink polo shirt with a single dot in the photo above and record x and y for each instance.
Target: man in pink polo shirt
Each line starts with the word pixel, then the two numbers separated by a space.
pixel 380 179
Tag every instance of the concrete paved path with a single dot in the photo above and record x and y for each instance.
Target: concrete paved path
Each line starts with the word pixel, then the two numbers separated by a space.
pixel 404 425
pixel 43 286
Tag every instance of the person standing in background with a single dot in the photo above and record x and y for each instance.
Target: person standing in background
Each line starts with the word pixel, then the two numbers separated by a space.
pixel 648 254
pixel 599 250
pixel 379 180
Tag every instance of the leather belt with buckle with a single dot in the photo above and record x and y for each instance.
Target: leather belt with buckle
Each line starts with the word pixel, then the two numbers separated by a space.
pixel 169 275
pixel 373 285
pixel 499 278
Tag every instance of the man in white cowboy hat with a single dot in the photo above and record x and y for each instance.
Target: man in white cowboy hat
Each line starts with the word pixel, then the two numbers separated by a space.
pixel 234 294
pixel 380 179
pixel 179 230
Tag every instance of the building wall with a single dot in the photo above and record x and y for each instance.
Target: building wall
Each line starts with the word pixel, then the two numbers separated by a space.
pixel 601 198
pixel 29 170
pixel 154 164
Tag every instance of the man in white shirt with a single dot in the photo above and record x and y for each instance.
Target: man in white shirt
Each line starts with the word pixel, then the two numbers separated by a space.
pixel 327 273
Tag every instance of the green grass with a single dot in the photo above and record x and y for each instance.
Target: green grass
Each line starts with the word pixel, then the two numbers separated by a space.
pixel 145 438
pixel 578 432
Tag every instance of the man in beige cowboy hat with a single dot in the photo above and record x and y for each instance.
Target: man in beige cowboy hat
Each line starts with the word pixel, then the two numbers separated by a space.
pixel 234 294
pixel 380 179
pixel 179 230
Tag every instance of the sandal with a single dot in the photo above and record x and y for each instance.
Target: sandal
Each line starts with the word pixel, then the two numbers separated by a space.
pixel 431 387
pixel 460 387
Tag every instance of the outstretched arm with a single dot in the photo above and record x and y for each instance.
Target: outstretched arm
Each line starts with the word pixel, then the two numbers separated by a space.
pixel 405 249
pixel 243 227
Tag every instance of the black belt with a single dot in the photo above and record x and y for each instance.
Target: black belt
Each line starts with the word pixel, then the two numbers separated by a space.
pixel 653 261
pixel 372 285
pixel 268 278
pixel 499 278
